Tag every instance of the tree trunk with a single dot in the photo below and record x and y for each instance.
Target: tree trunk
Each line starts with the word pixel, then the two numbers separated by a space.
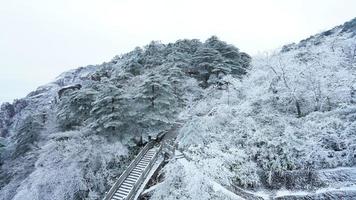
pixel 297 105
pixel 153 94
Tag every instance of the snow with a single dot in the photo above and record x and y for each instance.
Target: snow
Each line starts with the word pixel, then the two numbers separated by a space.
pixel 281 193
pixel 73 146
pixel 349 188
pixel 253 135
pixel 285 124
pixel 218 188
pixel 193 183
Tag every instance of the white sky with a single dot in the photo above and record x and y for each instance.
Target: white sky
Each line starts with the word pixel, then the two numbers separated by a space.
pixel 39 39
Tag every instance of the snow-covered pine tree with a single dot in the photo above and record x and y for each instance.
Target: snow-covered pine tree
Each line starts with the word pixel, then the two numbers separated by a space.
pixel 74 107
pixel 153 55
pixel 156 104
pixel 2 147
pixel 204 61
pixel 234 62
pixel 108 109
pixel 28 133
pixel 175 77
pixel 7 111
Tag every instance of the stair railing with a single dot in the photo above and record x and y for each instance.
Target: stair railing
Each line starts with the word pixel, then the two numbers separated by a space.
pixel 126 173
pixel 144 174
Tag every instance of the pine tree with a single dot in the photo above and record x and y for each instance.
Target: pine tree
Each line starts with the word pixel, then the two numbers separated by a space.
pixel 28 134
pixel 74 108
pixel 2 147
pixel 108 109
pixel 155 102
pixel 204 60
pixel 175 78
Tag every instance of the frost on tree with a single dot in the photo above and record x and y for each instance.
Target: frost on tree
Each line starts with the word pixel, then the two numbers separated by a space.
pixel 80 142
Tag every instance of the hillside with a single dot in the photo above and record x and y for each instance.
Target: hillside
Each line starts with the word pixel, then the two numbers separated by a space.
pixel 285 131
pixel 71 138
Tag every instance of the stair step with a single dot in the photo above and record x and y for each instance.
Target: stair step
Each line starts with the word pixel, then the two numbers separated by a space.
pixel 120 193
pixel 138 170
pixel 134 176
pixel 127 184
pixel 148 156
pixel 124 190
pixel 126 187
pixel 141 168
pixel 131 178
pixel 135 173
pixel 132 182
pixel 117 198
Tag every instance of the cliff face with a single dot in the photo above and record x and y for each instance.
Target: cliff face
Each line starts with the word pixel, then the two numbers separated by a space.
pixel 70 138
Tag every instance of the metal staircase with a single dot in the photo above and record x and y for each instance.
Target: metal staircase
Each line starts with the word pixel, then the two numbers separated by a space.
pixel 128 184
pixel 126 187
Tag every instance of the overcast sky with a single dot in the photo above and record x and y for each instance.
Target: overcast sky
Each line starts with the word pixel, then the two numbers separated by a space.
pixel 39 39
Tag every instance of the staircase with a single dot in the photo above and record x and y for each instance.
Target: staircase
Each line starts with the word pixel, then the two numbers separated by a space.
pixel 126 187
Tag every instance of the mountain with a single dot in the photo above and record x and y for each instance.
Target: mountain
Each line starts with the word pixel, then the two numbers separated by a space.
pixel 71 138
pixel 277 126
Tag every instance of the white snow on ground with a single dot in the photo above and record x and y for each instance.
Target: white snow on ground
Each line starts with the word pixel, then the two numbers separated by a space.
pixel 193 183
pixel 338 179
pixel 219 188
pixel 215 186
pixel 349 188
pixel 281 193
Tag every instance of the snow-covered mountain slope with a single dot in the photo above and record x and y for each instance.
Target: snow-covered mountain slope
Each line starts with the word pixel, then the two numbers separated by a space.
pixel 286 131
pixel 70 138
pixel 283 127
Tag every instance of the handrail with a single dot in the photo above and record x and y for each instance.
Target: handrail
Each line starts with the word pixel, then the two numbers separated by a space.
pixel 143 176
pixel 132 165
pixel 160 135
